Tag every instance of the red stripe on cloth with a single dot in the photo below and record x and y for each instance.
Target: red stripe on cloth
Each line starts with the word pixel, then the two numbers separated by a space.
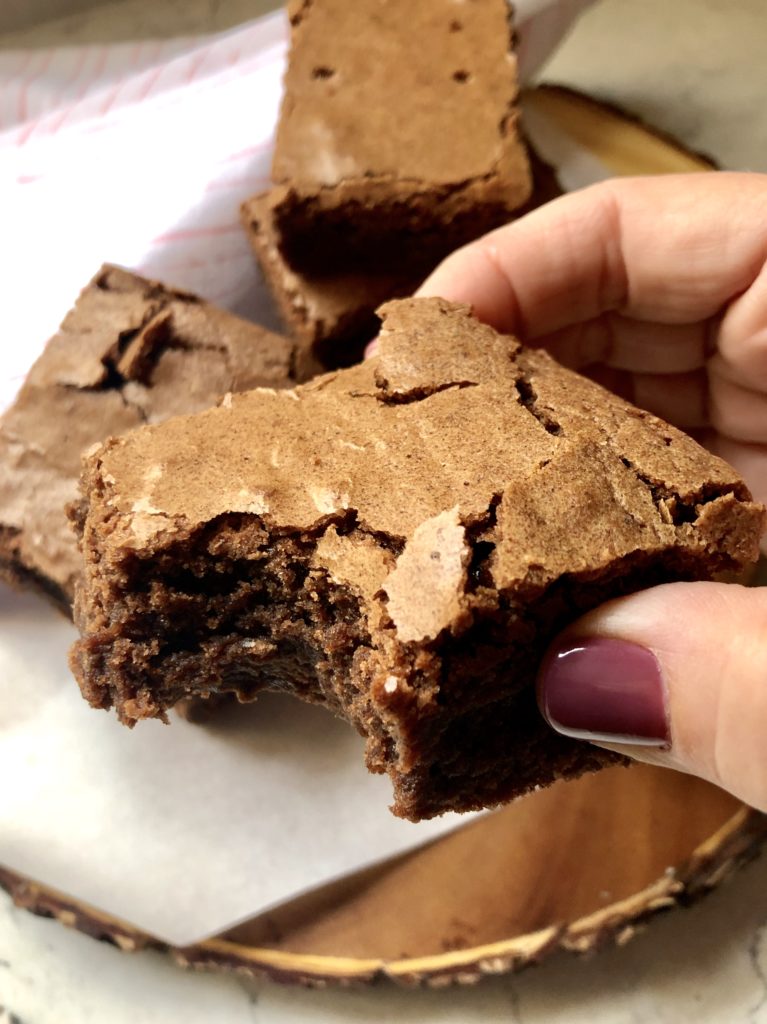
pixel 257 147
pixel 192 263
pixel 176 96
pixel 101 61
pixel 112 95
pixel 151 80
pixel 98 67
pixel 196 64
pixel 252 182
pixel 134 54
pixel 28 80
pixel 180 234
pixel 76 72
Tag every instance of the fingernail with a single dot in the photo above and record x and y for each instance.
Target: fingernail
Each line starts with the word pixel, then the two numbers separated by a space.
pixel 604 690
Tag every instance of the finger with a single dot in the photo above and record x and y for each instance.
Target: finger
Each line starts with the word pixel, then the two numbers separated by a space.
pixel 629 344
pixel 736 410
pixel 676 675
pixel 671 248
pixel 679 398
pixel 742 336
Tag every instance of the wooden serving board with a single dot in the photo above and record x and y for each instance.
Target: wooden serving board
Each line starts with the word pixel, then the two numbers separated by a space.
pixel 571 867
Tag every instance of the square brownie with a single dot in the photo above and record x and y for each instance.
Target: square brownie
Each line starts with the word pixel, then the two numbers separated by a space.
pixel 332 314
pixel 399 541
pixel 130 352
pixel 398 130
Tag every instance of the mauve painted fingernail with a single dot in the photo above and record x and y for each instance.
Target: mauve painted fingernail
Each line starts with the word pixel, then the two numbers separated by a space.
pixel 604 690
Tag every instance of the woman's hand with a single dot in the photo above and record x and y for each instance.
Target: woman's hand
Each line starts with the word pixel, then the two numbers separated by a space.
pixel 657 287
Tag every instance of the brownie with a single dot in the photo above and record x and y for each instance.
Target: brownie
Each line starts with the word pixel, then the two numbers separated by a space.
pixel 130 352
pixel 399 541
pixel 398 130
pixel 332 314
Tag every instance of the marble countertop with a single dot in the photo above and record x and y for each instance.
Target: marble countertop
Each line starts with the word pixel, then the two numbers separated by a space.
pixel 703 965
pixel 696 69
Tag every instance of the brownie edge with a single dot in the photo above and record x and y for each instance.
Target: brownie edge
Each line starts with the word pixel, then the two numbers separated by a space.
pixel 398 131
pixel 399 541
pixel 332 315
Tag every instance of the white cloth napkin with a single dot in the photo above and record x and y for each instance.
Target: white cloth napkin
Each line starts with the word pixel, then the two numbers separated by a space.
pixel 140 154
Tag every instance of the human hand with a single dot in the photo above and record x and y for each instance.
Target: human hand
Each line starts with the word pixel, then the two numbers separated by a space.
pixel 657 287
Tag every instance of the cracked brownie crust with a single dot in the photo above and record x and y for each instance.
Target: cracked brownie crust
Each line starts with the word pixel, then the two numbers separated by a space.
pixel 130 352
pixel 398 129
pixel 398 541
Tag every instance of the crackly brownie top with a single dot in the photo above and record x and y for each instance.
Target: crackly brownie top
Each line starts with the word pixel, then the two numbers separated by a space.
pixel 449 426
pixel 130 352
pixel 165 350
pixel 421 90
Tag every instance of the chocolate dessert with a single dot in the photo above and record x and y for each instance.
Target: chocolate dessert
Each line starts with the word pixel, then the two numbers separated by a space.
pixel 332 314
pixel 130 352
pixel 399 541
pixel 398 131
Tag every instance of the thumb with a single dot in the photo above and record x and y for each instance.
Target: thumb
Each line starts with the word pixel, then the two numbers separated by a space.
pixel 676 675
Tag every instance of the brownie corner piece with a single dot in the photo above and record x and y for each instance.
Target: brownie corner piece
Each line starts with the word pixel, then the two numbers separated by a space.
pixel 398 127
pixel 399 541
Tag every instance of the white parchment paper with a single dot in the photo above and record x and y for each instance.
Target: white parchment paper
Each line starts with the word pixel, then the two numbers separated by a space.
pixel 140 154
pixel 182 829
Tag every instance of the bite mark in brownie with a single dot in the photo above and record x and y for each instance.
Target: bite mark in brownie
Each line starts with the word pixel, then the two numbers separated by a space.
pixel 398 129
pixel 130 352
pixel 399 541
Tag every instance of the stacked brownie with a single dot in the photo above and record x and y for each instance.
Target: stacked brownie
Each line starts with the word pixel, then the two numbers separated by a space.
pixel 397 142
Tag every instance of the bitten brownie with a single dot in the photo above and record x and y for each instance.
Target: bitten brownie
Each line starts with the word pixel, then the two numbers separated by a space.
pixel 399 541
pixel 130 352
pixel 398 130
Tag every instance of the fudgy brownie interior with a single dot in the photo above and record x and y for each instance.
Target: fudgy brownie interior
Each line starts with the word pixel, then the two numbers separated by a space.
pixel 399 541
